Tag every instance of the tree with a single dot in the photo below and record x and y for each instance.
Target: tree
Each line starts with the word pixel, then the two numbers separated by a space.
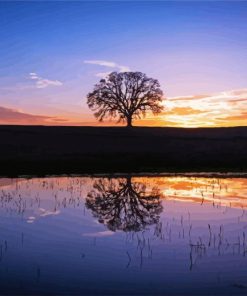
pixel 124 205
pixel 126 95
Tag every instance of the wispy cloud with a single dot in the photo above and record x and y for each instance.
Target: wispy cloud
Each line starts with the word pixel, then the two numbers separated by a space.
pixel 99 233
pixel 109 64
pixel 19 117
pixel 45 213
pixel 13 116
pixel 227 108
pixel 41 82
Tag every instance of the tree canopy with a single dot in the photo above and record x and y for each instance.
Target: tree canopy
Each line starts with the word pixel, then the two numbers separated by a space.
pixel 126 96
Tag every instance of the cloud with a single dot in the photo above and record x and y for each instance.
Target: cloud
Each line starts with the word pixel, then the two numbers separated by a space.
pixel 242 116
pixel 17 117
pixel 45 213
pixel 13 116
pixel 240 92
pixel 99 233
pixel 226 108
pixel 188 98
pixel 184 111
pixel 102 74
pixel 109 64
pixel 238 100
pixel 101 63
pixel 59 119
pixel 8 115
pixel 41 82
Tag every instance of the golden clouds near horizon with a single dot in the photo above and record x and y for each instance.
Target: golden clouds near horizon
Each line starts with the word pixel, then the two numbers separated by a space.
pixel 216 110
pixel 224 109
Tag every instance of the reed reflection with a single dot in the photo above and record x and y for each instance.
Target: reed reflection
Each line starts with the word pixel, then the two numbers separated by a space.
pixel 204 218
pixel 124 205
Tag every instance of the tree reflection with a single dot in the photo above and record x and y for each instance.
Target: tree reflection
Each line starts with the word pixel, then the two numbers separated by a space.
pixel 121 204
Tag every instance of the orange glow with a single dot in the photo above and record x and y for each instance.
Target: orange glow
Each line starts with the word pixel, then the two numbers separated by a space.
pixel 215 110
pixel 219 192
pixel 229 192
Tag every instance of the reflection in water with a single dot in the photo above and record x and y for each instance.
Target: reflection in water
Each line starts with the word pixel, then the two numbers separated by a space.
pixel 124 205
pixel 174 235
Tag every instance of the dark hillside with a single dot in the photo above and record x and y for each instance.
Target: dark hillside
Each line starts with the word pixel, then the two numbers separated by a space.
pixel 45 150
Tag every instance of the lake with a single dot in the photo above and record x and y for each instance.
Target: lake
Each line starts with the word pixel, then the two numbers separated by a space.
pixel 124 235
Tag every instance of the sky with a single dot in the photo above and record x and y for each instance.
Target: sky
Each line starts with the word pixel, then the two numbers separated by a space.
pixel 53 53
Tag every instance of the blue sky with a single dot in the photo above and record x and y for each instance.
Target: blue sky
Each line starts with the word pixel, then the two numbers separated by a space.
pixel 190 47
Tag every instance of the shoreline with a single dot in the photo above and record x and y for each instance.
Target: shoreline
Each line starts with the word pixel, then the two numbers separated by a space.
pixel 222 175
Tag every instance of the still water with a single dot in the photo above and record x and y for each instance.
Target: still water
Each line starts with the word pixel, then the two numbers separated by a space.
pixel 124 235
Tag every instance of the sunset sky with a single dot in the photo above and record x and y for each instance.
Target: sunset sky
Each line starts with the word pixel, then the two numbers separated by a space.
pixel 52 54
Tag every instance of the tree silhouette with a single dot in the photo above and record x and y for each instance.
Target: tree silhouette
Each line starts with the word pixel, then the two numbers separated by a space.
pixel 123 205
pixel 126 95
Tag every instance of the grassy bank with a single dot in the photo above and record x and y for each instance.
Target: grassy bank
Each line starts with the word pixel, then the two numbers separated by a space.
pixel 68 150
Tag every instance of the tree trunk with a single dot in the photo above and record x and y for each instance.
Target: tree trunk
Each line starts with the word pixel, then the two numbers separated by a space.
pixel 128 183
pixel 129 121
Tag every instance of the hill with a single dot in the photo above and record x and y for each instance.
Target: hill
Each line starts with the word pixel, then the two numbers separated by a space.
pixel 56 150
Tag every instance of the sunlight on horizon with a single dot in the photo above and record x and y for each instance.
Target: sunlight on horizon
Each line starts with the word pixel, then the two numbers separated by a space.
pixel 197 52
pixel 225 109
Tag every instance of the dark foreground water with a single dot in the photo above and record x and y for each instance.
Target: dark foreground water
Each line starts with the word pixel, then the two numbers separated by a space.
pixel 130 235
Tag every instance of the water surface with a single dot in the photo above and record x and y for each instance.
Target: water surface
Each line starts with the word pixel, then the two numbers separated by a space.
pixel 124 235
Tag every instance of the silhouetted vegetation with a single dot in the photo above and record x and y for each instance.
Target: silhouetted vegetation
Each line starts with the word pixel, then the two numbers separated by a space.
pixel 126 95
